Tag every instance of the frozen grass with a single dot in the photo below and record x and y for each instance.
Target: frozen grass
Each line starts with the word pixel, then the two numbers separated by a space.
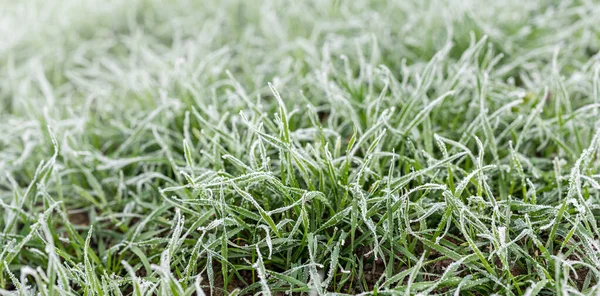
pixel 223 147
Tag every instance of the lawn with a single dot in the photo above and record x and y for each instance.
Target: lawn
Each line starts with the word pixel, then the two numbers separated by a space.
pixel 299 147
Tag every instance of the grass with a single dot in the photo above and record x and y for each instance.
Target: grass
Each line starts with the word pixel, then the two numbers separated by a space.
pixel 305 147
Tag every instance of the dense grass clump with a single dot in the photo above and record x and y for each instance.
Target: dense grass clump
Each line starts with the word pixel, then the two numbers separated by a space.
pixel 304 147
